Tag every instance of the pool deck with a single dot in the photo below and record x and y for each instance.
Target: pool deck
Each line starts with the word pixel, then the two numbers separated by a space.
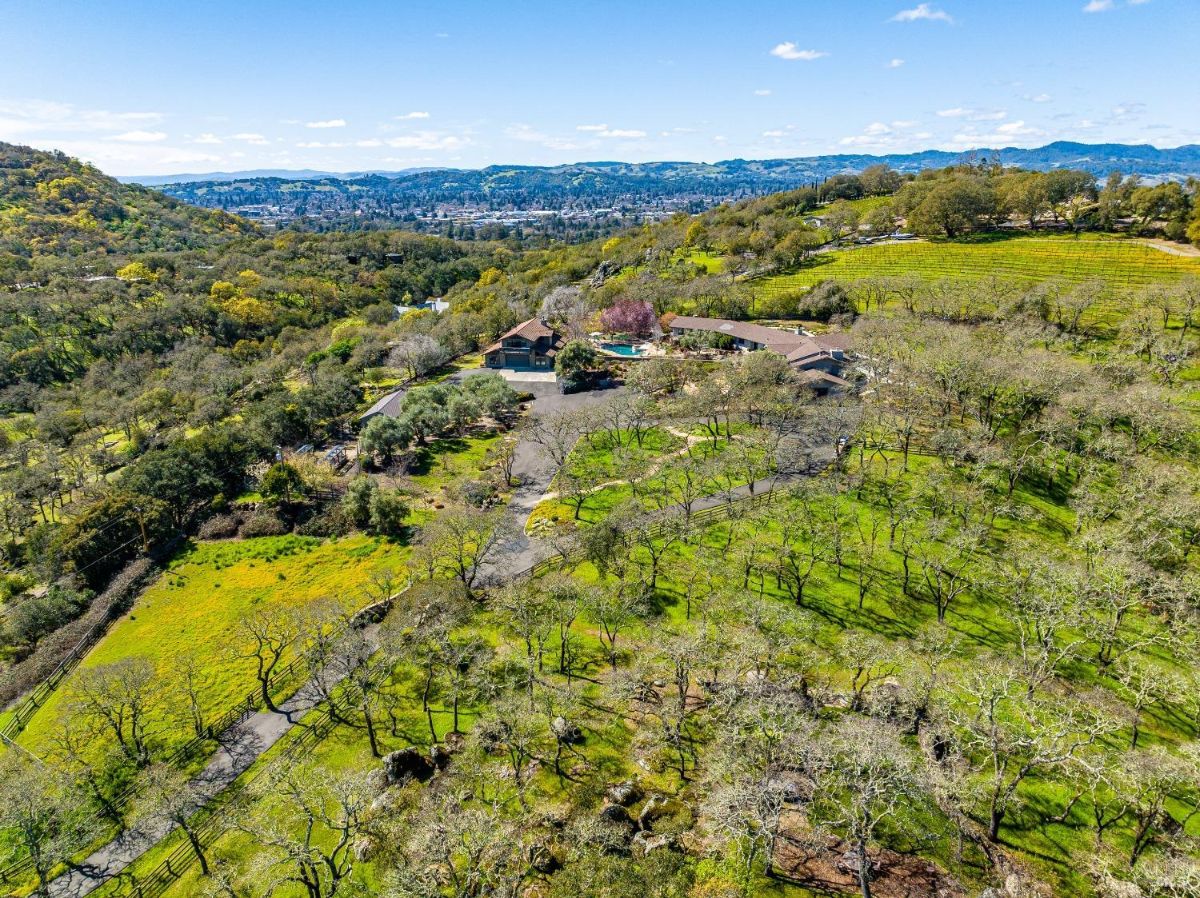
pixel 644 350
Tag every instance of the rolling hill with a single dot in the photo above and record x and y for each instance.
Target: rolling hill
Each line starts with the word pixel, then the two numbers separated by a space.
pixel 53 204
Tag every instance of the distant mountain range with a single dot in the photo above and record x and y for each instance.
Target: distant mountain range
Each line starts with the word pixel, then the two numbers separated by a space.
pixel 287 174
pixel 590 188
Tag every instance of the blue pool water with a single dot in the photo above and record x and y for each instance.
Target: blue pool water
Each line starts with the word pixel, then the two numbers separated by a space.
pixel 622 349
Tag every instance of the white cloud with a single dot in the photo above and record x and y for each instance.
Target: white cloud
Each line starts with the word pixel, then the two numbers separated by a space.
pixel 408 116
pixel 896 135
pixel 428 140
pixel 775 133
pixel 1039 98
pixel 1017 128
pixel 895 63
pixel 254 139
pixel 922 12
pixel 140 136
pixel 1126 110
pixel 1106 5
pixel 369 142
pixel 132 158
pixel 973 115
pixel 606 131
pixel 762 92
pixel 788 50
pixel 43 117
pixel 321 144
pixel 529 134
pixel 1017 133
pixel 327 123
pixel 208 138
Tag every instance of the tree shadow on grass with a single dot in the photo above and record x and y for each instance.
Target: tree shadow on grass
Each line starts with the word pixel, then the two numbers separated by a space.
pixel 427 455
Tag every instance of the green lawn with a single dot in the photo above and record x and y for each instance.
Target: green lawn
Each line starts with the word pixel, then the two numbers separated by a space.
pixel 710 262
pixel 862 205
pixel 445 464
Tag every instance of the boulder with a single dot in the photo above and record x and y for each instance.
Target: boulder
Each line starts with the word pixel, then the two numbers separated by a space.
pixel 542 859
pixel 566 732
pixel 603 272
pixel 364 848
pixel 624 794
pixel 440 756
pixel 643 843
pixel 405 764
pixel 618 816
pixel 377 780
pixel 849 860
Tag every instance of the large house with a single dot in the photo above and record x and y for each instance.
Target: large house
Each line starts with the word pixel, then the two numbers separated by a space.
pixel 531 344
pixel 821 356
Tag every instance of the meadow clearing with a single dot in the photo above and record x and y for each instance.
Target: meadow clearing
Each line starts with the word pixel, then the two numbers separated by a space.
pixel 193 610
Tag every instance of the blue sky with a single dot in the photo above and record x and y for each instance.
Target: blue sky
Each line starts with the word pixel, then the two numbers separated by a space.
pixel 142 87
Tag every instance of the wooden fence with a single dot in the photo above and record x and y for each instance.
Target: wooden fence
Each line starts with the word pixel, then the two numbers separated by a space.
pixel 286 679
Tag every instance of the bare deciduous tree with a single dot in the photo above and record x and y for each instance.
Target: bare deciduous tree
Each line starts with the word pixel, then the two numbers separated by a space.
pixel 267 635
pixel 40 817
pixel 310 838
pixel 120 697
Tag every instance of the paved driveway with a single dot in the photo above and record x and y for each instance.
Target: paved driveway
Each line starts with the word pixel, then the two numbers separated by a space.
pixel 523 377
pixel 535 469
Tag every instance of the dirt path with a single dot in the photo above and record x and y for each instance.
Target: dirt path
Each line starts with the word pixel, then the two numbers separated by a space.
pixel 692 439
pixel 535 470
pixel 1174 249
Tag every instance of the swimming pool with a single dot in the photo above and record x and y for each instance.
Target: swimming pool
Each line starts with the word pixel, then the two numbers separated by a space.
pixel 623 349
